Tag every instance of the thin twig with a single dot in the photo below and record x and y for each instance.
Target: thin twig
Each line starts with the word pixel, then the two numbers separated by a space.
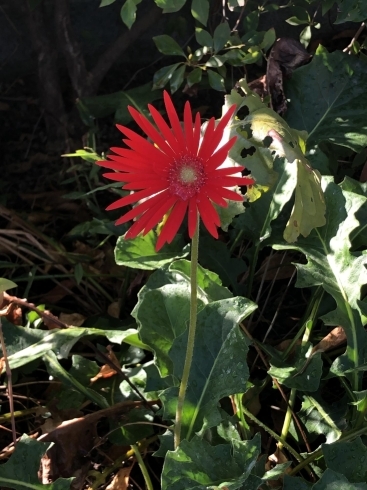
pixel 348 49
pixel 10 385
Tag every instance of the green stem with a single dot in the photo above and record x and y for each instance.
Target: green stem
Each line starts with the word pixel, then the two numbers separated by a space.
pixel 251 275
pixel 143 468
pixel 273 434
pixel 306 336
pixel 191 335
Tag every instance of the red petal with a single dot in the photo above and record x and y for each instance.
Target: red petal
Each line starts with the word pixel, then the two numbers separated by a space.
pixel 189 128
pixel 150 218
pixel 142 184
pixel 205 146
pixel 197 133
pixel 225 193
pixel 172 224
pixel 156 215
pixel 141 145
pixel 219 156
pixel 151 131
pixel 141 208
pixel 164 128
pixel 131 198
pixel 175 122
pixel 214 196
pixel 209 216
pixel 214 139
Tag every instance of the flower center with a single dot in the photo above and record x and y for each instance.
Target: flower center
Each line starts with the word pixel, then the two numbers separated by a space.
pixel 186 176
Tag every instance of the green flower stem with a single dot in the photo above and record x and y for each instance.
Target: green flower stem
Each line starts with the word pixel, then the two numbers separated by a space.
pixel 191 336
pixel 143 468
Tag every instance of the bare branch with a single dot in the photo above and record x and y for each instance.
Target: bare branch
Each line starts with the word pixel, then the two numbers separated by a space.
pixel 122 43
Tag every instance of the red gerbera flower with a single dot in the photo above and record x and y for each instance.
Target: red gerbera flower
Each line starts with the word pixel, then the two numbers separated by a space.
pixel 178 173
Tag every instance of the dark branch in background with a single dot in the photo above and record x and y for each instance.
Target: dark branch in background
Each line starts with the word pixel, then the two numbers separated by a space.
pixel 122 43
pixel 70 48
pixel 87 83
pixel 84 82
pixel 49 84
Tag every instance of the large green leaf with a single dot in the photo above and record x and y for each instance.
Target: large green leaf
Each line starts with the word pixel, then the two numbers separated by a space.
pixel 140 253
pixel 265 133
pixel 197 465
pixel 301 373
pixel 162 315
pixel 255 223
pixel 57 371
pixel 162 311
pixel 328 99
pixel 218 367
pixel 200 10
pixel 170 6
pixel 351 11
pixel 178 272
pixel 167 45
pixel 320 418
pixel 25 344
pixel 331 480
pixel 341 273
pixel 128 12
pixel 20 472
pixel 347 458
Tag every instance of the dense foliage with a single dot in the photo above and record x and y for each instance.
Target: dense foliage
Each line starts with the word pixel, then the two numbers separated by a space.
pixel 276 394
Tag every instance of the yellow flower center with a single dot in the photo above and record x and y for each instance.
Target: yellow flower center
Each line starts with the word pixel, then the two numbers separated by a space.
pixel 188 175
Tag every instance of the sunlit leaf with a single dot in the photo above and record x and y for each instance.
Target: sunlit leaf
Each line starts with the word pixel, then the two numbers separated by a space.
pixel 328 99
pixel 140 253
pixel 209 466
pixel 200 10
pixel 218 368
pixel 347 458
pixel 128 12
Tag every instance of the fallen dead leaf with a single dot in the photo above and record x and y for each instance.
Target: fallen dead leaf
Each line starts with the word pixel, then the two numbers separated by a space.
pixel 278 457
pixel 333 339
pixel 72 319
pixel 121 479
pixel 114 309
pixel 106 371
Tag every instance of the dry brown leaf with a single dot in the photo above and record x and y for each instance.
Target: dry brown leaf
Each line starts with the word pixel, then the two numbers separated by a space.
pixel 333 339
pixel 121 479
pixel 72 319
pixel 106 371
pixel 276 458
pixel 114 309
pixel 283 346
pixel 285 55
